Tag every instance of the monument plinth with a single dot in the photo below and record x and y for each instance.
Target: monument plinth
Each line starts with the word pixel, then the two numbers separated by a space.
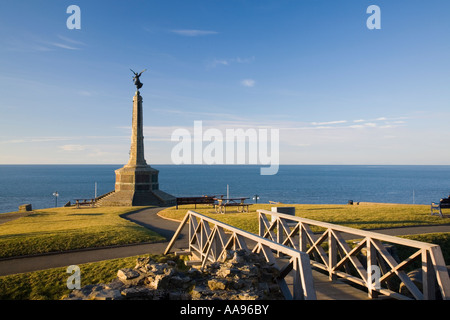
pixel 137 182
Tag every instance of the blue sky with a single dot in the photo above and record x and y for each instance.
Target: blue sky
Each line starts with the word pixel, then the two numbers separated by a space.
pixel 338 92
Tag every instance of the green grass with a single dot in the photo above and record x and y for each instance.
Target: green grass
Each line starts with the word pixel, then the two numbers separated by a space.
pixel 362 216
pixel 51 284
pixel 60 229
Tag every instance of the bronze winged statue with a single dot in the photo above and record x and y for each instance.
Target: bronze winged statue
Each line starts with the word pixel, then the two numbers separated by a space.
pixel 137 82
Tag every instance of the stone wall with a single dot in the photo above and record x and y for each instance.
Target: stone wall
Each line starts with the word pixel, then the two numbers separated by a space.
pixel 243 276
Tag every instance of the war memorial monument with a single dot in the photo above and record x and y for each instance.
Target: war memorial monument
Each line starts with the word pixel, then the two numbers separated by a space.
pixel 137 182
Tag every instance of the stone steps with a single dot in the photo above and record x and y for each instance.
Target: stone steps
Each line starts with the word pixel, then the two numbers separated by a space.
pixel 123 198
pixel 132 198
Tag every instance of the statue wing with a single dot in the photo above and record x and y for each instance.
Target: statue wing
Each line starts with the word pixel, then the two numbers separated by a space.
pixel 133 71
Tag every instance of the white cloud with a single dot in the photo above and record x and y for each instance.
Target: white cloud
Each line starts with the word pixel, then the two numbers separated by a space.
pixel 248 82
pixel 381 123
pixel 63 46
pixel 66 39
pixel 66 43
pixel 327 123
pixel 217 62
pixel 196 115
pixel 35 139
pixel 193 32
pixel 35 43
pixel 73 147
pixel 227 62
pixel 85 93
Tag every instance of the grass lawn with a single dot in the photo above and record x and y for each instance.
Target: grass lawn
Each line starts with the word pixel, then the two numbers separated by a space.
pixel 362 216
pixel 59 229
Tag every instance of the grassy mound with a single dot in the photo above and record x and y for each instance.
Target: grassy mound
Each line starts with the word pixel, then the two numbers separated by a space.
pixel 60 229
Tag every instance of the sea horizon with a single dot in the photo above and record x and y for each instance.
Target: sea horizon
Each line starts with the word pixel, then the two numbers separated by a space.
pixel 308 184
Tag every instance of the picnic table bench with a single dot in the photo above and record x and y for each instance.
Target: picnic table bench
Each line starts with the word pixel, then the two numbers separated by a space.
pixel 84 202
pixel 436 208
pixel 223 204
pixel 196 200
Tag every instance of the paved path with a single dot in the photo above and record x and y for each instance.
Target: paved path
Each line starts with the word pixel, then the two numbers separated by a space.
pixel 149 219
pixel 414 230
pixel 5 217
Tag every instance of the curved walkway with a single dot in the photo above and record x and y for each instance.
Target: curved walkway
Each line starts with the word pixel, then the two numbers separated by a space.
pixel 149 219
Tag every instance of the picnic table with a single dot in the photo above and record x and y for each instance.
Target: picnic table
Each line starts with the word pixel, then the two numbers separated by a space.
pixel 224 203
pixel 84 202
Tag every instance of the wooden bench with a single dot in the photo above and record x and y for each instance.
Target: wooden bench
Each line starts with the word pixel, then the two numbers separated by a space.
pixel 436 208
pixel 196 200
pixel 84 202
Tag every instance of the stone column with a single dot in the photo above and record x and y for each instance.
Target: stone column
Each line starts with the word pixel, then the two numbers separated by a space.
pixel 137 175
pixel 137 182
pixel 137 135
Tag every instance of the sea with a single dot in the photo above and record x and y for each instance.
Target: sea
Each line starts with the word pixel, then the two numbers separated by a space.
pixel 309 184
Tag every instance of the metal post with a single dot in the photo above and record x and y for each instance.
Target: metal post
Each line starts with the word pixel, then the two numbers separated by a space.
pixel 55 194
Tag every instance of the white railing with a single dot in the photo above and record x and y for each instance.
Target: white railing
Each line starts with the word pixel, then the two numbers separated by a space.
pixel 209 240
pixel 329 250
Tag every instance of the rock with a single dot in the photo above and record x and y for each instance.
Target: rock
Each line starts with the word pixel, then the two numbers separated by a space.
pixel 198 292
pixel 160 295
pixel 171 263
pixel 134 293
pixel 106 294
pixel 159 268
pixel 247 296
pixel 263 286
pixel 177 295
pixel 181 282
pixel 116 284
pixel 127 274
pixel 217 284
pixel 239 284
pixel 82 293
pixel 130 292
pixel 238 257
pixel 131 277
pixel 161 281
pixel 243 276
pixel 143 264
